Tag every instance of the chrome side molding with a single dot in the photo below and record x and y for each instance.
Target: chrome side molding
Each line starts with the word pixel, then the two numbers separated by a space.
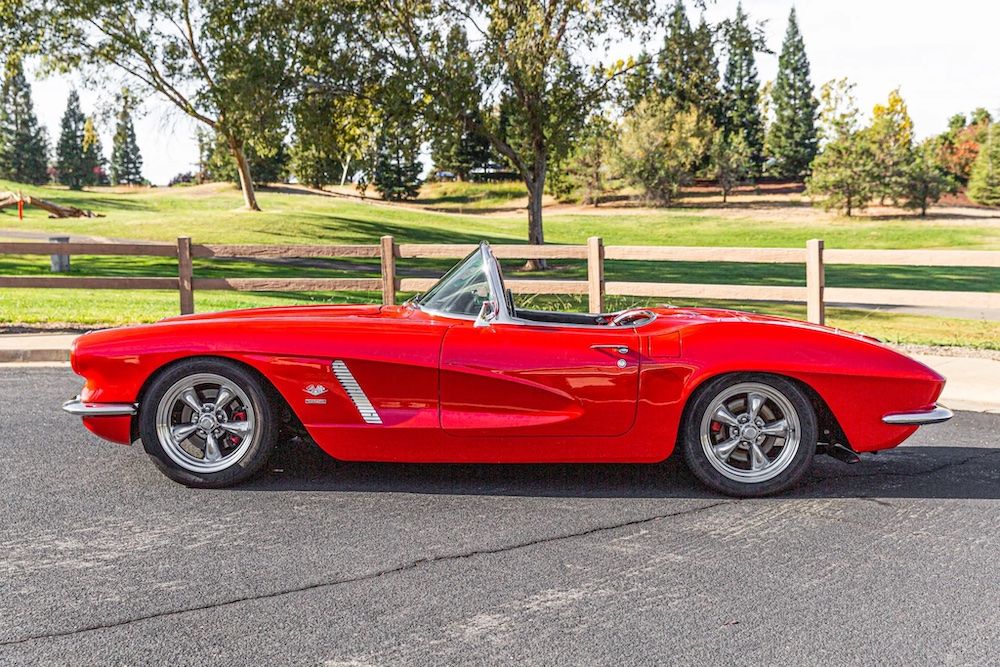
pixel 354 391
pixel 75 406
pixel 936 416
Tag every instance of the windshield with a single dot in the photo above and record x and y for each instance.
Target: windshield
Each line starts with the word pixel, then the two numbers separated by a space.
pixel 462 291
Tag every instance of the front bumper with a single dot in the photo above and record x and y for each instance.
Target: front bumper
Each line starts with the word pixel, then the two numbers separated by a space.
pixel 75 406
pixel 936 415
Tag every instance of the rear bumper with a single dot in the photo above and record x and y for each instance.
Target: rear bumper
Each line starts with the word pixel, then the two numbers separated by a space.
pixel 75 406
pixel 936 415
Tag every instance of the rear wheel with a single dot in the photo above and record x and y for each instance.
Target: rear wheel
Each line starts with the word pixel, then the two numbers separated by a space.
pixel 750 435
pixel 208 423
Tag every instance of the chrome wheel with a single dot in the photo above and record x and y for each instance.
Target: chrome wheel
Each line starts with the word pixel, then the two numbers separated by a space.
pixel 205 423
pixel 750 432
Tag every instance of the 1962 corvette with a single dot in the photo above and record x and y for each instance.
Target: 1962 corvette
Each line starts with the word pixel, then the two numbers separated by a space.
pixel 460 374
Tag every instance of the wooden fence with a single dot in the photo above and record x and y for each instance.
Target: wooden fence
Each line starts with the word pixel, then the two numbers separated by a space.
pixel 815 294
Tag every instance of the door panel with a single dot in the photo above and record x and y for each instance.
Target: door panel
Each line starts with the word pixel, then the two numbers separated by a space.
pixel 511 379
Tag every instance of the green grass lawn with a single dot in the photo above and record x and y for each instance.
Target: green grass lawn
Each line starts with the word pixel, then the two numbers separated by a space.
pixel 211 214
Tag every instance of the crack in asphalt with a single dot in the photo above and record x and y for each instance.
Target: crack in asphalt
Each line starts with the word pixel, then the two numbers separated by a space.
pixel 406 567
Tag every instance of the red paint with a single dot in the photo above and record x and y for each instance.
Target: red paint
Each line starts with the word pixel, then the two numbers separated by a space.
pixel 509 392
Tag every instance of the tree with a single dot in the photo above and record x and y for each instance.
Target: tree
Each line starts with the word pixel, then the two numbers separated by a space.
pixel 984 183
pixel 731 162
pixel 224 63
pixel 24 145
pixel 926 180
pixel 71 164
pixel 584 173
pixel 217 165
pixel 792 139
pixel 891 137
pixel 93 156
pixel 843 173
pixel 660 146
pixel 462 149
pixel 688 69
pixel 397 167
pixel 741 88
pixel 958 147
pixel 533 54
pixel 126 160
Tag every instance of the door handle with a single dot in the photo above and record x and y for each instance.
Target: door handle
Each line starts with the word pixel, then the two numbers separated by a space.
pixel 620 349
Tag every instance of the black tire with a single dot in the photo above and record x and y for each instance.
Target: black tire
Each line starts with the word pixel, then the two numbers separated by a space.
pixel 217 445
pixel 747 452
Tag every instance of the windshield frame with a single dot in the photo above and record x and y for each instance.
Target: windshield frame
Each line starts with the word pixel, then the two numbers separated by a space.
pixel 492 281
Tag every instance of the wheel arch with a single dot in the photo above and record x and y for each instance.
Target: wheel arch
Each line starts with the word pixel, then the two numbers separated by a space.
pixel 281 404
pixel 829 426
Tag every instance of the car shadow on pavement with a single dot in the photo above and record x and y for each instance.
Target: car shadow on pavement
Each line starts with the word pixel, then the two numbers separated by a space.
pixel 903 472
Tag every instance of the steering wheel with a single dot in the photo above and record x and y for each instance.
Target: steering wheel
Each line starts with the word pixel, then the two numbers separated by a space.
pixel 629 316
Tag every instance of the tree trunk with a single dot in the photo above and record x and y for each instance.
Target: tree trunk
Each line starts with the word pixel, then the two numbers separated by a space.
pixel 347 165
pixel 243 167
pixel 536 236
pixel 55 210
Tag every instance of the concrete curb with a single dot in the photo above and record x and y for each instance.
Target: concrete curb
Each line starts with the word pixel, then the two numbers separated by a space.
pixel 33 356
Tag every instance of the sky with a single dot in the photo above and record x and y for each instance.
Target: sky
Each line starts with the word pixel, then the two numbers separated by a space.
pixel 944 57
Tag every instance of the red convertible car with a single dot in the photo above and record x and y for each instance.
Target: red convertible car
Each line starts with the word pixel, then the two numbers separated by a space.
pixel 460 374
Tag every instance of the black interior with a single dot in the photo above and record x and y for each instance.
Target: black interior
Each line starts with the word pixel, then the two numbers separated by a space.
pixel 560 318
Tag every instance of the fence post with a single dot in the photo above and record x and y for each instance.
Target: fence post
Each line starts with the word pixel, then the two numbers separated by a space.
pixel 185 275
pixel 59 263
pixel 595 273
pixel 388 255
pixel 815 282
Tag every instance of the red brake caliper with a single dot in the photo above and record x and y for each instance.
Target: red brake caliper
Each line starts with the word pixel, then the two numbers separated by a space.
pixel 240 416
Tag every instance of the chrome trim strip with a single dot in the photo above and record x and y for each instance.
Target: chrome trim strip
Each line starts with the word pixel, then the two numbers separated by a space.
pixel 936 416
pixel 75 406
pixel 355 392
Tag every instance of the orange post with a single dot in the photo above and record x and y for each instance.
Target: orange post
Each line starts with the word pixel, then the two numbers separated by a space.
pixel 20 206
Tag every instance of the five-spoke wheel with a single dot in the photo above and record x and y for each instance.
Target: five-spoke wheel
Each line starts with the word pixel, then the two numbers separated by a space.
pixel 207 423
pixel 750 435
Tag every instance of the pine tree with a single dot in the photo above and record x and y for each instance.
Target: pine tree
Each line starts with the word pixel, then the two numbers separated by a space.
pixel 984 183
pixel 24 145
pixel 741 89
pixel 70 163
pixel 93 156
pixel 461 150
pixel 844 172
pixel 397 164
pixel 792 140
pixel 926 179
pixel 126 161
pixel 688 66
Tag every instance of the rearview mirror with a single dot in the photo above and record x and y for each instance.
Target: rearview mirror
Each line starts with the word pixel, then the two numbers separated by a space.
pixel 487 313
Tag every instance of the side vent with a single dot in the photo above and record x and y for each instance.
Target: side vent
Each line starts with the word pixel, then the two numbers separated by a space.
pixel 355 392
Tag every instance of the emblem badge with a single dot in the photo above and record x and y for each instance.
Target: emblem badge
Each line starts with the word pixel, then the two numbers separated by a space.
pixel 316 390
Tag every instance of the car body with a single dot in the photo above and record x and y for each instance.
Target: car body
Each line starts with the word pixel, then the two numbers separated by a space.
pixel 462 375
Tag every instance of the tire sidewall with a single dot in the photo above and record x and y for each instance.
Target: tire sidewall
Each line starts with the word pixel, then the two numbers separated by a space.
pixel 696 459
pixel 255 456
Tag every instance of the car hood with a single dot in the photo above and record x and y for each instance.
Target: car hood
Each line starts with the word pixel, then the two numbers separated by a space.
pixel 319 312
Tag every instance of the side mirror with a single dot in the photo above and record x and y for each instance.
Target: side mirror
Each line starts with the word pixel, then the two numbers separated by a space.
pixel 487 314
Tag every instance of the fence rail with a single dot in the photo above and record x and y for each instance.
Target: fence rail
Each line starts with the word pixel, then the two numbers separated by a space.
pixel 815 293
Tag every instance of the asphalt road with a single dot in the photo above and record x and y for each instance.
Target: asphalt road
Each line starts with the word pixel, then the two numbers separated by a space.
pixel 104 561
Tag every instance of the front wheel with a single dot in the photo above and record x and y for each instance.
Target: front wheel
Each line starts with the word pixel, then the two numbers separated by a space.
pixel 208 423
pixel 750 435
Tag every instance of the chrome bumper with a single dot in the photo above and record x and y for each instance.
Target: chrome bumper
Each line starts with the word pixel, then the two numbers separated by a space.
pixel 75 406
pixel 936 416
